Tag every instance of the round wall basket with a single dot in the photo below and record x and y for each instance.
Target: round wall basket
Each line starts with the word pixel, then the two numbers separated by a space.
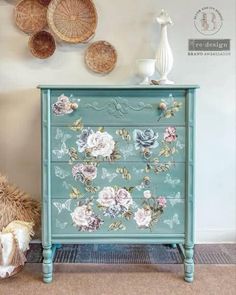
pixel 72 21
pixel 101 57
pixel 44 2
pixel 42 44
pixel 30 16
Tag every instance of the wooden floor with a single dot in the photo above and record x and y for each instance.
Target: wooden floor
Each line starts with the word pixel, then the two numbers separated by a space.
pixel 87 279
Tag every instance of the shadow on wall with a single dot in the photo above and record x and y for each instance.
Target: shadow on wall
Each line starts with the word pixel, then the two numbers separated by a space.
pixel 20 139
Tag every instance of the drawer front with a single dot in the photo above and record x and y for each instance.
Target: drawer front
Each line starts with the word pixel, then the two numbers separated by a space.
pixel 118 143
pixel 83 179
pixel 141 217
pixel 117 107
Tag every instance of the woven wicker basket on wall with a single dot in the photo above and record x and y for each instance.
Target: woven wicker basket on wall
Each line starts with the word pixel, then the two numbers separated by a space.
pixel 72 21
pixel 30 16
pixel 101 57
pixel 42 44
pixel 44 2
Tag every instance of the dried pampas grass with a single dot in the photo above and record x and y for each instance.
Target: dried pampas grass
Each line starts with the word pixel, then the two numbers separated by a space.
pixel 17 205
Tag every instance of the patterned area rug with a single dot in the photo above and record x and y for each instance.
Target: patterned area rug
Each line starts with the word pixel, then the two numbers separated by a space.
pixel 135 254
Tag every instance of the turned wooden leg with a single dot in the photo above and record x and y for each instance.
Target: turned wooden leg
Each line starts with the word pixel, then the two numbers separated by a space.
pixel 47 263
pixel 188 263
pixel 173 246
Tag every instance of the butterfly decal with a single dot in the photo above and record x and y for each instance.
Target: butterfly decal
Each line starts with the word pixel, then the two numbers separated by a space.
pixel 61 225
pixel 140 187
pixel 172 181
pixel 61 136
pixel 65 185
pixel 107 175
pixel 127 151
pixel 61 152
pixel 63 206
pixel 169 100
pixel 138 171
pixel 61 173
pixel 173 221
pixel 179 145
pixel 176 199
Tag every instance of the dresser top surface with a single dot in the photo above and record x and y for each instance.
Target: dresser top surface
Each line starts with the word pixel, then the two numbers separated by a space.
pixel 138 87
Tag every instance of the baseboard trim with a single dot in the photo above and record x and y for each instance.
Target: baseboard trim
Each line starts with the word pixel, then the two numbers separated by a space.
pixel 215 236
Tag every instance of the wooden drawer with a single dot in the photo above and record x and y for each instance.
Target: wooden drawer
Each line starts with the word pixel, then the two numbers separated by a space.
pixel 81 179
pixel 120 143
pixel 117 107
pixel 95 219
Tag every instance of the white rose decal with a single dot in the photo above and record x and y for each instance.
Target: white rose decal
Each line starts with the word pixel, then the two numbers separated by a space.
pixel 115 202
pixel 123 198
pixel 147 194
pixel 85 219
pixel 84 172
pixel 143 217
pixel 106 197
pixel 100 144
pixel 81 215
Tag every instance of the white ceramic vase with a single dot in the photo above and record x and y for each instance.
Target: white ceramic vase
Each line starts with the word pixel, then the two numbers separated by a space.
pixel 164 56
pixel 146 68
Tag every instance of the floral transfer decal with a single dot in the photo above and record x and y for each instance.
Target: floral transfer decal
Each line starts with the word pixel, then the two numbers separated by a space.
pixel 97 144
pixel 145 139
pixel 170 134
pixel 84 218
pixel 64 106
pixel 84 172
pixel 152 208
pixel 115 202
pixel 168 144
pixel 168 107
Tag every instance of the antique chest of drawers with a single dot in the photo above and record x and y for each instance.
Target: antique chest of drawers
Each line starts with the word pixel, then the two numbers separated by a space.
pixel 118 167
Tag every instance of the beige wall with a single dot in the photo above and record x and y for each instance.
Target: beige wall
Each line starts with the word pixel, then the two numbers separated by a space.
pixel 130 26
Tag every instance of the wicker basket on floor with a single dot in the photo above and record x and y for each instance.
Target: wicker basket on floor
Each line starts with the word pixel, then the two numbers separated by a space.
pixel 42 44
pixel 72 21
pixel 30 16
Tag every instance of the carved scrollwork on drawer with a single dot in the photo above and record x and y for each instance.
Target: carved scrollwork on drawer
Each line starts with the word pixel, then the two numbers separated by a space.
pixel 119 107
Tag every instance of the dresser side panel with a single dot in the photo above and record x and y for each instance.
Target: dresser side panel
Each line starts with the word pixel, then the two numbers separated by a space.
pixel 46 167
pixel 189 189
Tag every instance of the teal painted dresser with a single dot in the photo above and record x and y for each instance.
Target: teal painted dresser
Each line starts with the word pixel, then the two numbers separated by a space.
pixel 118 167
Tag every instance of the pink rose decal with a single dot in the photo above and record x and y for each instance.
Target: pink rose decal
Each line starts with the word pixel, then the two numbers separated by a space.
pixel 170 134
pixel 162 202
